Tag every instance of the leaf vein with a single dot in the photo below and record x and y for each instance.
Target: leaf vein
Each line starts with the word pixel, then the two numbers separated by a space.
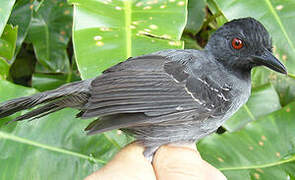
pixel 277 18
pixel 50 148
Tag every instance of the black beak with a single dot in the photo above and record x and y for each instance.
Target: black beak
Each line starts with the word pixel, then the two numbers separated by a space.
pixel 269 60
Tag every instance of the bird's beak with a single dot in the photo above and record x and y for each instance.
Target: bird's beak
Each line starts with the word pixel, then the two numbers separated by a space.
pixel 269 60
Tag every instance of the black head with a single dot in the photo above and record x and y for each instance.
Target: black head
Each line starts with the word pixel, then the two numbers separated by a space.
pixel 243 44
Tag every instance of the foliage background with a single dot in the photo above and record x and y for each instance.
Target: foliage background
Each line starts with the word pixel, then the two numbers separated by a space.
pixel 47 43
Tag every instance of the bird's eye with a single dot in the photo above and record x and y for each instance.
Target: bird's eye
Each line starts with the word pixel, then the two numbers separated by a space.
pixel 237 43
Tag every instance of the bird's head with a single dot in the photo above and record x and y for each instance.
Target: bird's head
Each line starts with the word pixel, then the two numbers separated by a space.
pixel 243 44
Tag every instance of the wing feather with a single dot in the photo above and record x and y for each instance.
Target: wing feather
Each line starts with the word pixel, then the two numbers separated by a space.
pixel 149 89
pixel 127 90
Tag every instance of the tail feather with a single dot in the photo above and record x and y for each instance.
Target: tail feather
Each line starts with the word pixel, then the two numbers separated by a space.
pixel 73 95
pixel 12 106
pixel 39 112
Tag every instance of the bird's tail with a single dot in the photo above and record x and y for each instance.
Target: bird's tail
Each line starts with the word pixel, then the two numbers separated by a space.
pixel 73 95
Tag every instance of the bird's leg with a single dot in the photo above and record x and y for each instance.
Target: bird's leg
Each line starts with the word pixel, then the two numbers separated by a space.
pixel 149 152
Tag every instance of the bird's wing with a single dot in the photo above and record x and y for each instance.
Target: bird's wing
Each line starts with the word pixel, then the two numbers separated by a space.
pixel 158 87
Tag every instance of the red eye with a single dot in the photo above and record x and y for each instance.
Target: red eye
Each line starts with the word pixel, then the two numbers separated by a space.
pixel 237 43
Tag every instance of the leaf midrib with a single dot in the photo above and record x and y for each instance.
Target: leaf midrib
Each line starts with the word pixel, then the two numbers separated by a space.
pixel 277 163
pixel 127 14
pixel 250 114
pixel 277 18
pixel 14 138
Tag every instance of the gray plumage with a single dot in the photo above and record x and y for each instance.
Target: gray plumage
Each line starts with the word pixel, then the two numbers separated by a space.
pixel 168 96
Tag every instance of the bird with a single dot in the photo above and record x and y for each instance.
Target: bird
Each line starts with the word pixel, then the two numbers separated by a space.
pixel 169 96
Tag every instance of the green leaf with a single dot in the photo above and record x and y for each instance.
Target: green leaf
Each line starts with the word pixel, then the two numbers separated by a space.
pixel 7 48
pixel 196 15
pixel 21 16
pixel 40 149
pixel 44 82
pixel 264 149
pixel 9 90
pixel 263 100
pixel 4 69
pixel 278 18
pixel 7 42
pixel 217 13
pixel 190 42
pixel 107 35
pixel 50 31
pixel 5 10
pixel 283 84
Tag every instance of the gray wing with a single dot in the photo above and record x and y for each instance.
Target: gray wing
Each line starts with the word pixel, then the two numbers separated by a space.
pixel 151 89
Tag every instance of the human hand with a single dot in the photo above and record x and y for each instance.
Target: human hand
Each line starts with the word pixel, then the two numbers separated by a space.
pixel 171 162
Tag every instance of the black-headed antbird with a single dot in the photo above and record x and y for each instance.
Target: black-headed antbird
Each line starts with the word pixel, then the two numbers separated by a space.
pixel 168 96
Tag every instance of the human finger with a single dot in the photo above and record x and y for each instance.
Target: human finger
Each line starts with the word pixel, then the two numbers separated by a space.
pixel 128 164
pixel 184 162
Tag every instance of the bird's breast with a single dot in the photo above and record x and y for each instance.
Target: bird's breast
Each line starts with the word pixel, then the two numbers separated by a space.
pixel 233 93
